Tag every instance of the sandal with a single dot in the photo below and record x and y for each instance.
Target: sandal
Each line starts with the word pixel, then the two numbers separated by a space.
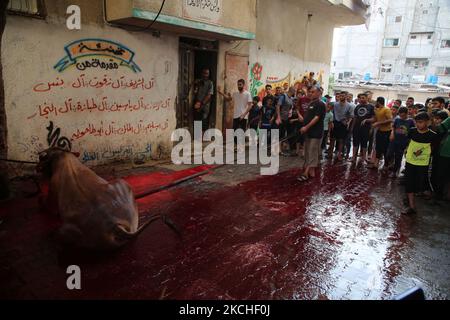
pixel 302 178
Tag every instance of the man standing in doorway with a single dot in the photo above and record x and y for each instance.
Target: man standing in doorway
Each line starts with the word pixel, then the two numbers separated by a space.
pixel 203 92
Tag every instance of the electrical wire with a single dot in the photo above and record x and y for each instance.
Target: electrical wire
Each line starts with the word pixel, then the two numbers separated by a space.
pixel 127 27
pixel 153 22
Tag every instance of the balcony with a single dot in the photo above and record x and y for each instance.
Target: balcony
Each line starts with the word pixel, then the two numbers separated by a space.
pixel 222 19
pixel 418 51
pixel 355 11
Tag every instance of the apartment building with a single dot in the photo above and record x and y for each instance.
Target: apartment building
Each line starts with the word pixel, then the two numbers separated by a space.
pixel 408 41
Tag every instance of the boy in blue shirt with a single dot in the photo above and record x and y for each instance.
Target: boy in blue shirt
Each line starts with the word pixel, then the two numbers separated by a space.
pixel 268 113
pixel 399 138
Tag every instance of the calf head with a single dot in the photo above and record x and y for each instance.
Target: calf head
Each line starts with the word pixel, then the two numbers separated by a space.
pixel 47 159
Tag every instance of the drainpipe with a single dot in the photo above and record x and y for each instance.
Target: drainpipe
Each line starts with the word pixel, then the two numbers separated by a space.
pixel 306 35
pixel 4 180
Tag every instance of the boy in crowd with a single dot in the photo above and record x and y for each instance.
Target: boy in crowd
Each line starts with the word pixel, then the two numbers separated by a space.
pixel 383 125
pixel 302 106
pixel 363 115
pixel 444 159
pixel 268 94
pixel 342 112
pixel 394 111
pixel 348 140
pixel 284 106
pixel 439 103
pixel 253 119
pixel 418 159
pixel 350 99
pixel 373 131
pixel 267 118
pixel 327 125
pixel 439 116
pixel 399 138
pixel 411 107
pixel 254 114
pixel 278 94
pixel 295 123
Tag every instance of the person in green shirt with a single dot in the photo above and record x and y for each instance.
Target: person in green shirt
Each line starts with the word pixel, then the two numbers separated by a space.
pixel 444 160
pixel 418 158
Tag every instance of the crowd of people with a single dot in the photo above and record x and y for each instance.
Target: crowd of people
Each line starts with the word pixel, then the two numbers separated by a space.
pixel 382 137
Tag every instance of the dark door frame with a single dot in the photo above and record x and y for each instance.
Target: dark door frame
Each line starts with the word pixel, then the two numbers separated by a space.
pixel 191 46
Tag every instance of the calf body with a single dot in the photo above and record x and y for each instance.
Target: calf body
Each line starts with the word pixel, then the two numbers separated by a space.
pixel 96 214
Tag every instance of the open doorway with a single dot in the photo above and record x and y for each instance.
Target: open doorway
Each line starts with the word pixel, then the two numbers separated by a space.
pixel 195 55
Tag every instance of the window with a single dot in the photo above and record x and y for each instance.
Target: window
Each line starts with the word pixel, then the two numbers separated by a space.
pixel 445 44
pixel 34 8
pixel 347 75
pixel 413 37
pixel 391 42
pixel 425 11
pixel 417 63
pixel 394 19
pixel 429 36
pixel 386 67
pixel 443 71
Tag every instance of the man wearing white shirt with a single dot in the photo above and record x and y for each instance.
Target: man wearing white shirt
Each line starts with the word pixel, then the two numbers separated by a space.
pixel 242 105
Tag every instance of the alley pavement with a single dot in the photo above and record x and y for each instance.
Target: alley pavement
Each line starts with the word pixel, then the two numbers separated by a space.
pixel 243 236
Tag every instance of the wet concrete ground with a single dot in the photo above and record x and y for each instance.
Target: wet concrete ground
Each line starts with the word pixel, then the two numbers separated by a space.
pixel 339 236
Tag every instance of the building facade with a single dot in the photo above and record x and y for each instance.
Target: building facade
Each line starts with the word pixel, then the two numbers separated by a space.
pixel 408 41
pixel 116 89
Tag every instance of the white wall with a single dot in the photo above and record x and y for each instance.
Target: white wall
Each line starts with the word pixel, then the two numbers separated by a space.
pixel 30 50
pixel 357 49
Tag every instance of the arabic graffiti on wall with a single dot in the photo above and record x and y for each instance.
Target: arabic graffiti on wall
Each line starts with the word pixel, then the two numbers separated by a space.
pixel 203 10
pixel 105 129
pixel 105 82
pixel 92 104
pixel 33 146
pixel 100 53
pixel 106 114
pixel 54 138
pixel 125 152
